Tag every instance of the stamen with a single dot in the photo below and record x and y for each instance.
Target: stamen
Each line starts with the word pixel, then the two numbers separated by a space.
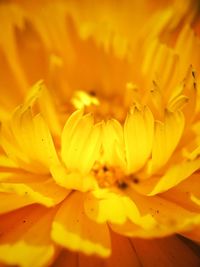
pixel 108 176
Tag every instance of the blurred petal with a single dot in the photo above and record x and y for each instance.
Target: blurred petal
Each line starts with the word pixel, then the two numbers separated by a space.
pixel 26 139
pixel 166 252
pixel 42 190
pixel 22 242
pixel 11 201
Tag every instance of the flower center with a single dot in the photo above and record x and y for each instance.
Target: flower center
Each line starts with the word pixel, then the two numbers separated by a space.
pixel 113 177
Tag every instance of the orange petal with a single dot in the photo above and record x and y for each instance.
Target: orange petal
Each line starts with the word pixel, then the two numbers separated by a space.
pixel 11 201
pixel 123 254
pixel 186 194
pixel 165 252
pixel 66 258
pixel 12 17
pixel 25 237
pixel 193 234
pixel 75 231
pixel 165 214
pixel 40 190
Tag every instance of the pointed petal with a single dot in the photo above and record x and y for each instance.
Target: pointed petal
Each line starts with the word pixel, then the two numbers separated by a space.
pixel 18 136
pixel 175 175
pixel 138 135
pixel 80 142
pixel 166 139
pixel 113 144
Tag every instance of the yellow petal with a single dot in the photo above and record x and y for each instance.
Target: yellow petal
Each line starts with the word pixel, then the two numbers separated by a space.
pixel 25 237
pixel 5 162
pixel 186 194
pixel 41 97
pixel 12 201
pixel 177 103
pixel 114 208
pixel 165 214
pixel 166 139
pixel 175 175
pixel 80 142
pixel 123 254
pixel 75 231
pixel 43 190
pixel 109 208
pixel 73 180
pixel 26 140
pixel 138 135
pixel 113 144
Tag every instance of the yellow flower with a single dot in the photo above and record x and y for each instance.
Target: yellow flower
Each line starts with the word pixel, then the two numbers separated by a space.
pixel 100 133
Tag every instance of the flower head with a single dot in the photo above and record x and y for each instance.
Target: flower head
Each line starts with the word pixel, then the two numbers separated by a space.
pixel 100 133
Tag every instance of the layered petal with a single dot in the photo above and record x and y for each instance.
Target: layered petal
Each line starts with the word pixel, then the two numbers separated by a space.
pixel 27 141
pixel 80 142
pixel 75 231
pixel 113 144
pixel 172 177
pixel 35 189
pixel 104 206
pixel 73 180
pixel 165 214
pixel 21 232
pixel 138 136
pixel 166 138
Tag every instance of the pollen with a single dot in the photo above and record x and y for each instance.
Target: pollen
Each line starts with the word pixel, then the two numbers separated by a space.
pixel 113 177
